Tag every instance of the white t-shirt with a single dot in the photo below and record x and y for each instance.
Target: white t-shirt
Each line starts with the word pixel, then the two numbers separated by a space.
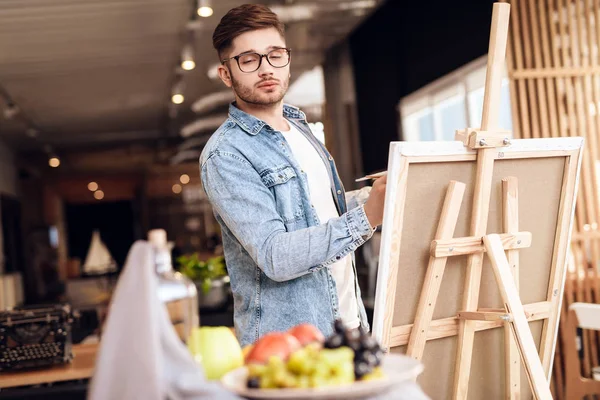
pixel 322 199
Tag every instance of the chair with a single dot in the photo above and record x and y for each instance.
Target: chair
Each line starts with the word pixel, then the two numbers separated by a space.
pixel 584 316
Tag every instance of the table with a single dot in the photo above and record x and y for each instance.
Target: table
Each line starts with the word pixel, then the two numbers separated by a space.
pixel 82 367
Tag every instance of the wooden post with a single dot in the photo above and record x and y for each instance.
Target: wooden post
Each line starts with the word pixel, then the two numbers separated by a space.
pixel 510 222
pixel 481 201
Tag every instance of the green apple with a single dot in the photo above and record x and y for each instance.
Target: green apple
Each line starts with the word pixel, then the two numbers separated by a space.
pixel 216 349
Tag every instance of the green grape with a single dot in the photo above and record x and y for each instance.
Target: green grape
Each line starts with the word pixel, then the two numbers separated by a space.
pixel 334 380
pixel 337 356
pixel 267 383
pixel 377 373
pixel 343 373
pixel 256 370
pixel 321 370
pixel 303 381
pixel 284 379
pixel 292 381
pixel 313 349
pixel 278 376
pixel 311 366
pixel 296 361
pixel 275 362
pixel 273 372
pixel 301 362
pixel 318 381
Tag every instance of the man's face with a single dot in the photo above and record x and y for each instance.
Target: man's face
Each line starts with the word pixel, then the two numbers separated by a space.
pixel 265 86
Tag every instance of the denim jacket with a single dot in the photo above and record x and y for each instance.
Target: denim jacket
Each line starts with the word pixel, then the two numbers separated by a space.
pixel 276 250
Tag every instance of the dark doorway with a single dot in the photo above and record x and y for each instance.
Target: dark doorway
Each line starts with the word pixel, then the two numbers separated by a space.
pixel 10 212
pixel 114 220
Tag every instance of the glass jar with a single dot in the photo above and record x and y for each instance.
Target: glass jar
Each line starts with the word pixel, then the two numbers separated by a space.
pixel 174 289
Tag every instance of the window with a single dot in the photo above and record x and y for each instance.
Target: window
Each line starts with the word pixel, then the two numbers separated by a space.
pixel 419 125
pixel 453 102
pixel 476 107
pixel 450 114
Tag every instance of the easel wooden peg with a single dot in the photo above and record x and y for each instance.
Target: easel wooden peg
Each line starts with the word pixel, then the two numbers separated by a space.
pixel 479 139
pixel 485 316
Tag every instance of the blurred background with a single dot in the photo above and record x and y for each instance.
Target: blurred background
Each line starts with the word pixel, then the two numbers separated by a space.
pixel 106 105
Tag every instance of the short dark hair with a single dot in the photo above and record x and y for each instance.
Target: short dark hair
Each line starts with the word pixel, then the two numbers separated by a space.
pixel 245 18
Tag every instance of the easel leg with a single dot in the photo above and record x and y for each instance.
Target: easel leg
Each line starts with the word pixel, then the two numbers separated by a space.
pixel 466 330
pixel 522 333
pixel 481 198
pixel 510 221
pixel 435 271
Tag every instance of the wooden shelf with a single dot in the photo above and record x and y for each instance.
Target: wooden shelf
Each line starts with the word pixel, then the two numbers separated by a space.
pixel 82 367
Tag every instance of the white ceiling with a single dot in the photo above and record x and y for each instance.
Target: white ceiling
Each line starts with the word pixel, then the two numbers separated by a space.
pixel 101 71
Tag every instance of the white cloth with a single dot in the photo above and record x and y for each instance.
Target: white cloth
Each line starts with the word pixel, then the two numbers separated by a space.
pixel 322 199
pixel 141 356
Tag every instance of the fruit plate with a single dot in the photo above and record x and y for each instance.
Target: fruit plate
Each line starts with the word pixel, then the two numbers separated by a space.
pixel 397 368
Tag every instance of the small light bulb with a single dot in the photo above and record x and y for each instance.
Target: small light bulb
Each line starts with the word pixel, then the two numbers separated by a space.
pixel 185 179
pixel 177 98
pixel 188 65
pixel 92 186
pixel 98 194
pixel 177 188
pixel 205 11
pixel 54 162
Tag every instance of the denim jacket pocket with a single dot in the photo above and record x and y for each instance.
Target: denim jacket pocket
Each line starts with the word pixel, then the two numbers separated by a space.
pixel 283 183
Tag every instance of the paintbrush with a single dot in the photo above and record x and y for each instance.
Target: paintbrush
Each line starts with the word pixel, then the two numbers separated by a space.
pixel 371 176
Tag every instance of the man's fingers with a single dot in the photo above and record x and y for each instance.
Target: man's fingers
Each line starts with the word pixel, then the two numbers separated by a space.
pixel 381 181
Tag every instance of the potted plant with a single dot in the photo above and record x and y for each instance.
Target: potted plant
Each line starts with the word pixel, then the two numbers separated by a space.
pixel 210 277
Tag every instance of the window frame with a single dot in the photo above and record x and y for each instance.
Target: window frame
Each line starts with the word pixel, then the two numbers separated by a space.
pixel 460 83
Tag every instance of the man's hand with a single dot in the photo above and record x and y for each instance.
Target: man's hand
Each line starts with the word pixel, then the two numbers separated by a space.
pixel 374 204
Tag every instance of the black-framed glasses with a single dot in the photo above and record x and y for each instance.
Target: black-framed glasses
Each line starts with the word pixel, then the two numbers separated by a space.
pixel 250 62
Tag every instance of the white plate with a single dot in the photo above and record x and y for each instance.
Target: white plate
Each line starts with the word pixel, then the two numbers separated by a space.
pixel 397 368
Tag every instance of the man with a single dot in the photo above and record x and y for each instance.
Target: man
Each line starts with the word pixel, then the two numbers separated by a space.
pixel 289 230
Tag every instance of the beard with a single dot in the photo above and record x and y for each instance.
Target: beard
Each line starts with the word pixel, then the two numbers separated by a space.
pixel 254 95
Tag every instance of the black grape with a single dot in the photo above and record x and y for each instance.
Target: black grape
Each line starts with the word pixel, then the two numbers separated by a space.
pixel 334 341
pixel 254 383
pixel 361 369
pixel 338 326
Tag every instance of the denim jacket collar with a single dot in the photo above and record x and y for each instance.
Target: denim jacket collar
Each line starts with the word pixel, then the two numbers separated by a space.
pixel 252 125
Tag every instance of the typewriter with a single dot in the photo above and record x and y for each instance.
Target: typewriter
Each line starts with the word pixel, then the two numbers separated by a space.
pixel 35 336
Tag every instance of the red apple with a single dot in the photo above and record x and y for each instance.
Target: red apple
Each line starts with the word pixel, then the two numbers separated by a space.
pixel 276 344
pixel 307 333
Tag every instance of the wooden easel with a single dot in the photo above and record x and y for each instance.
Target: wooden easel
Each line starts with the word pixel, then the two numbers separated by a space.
pixel 518 338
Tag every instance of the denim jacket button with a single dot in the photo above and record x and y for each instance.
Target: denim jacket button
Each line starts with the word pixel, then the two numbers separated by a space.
pixel 330 158
pixel 339 192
